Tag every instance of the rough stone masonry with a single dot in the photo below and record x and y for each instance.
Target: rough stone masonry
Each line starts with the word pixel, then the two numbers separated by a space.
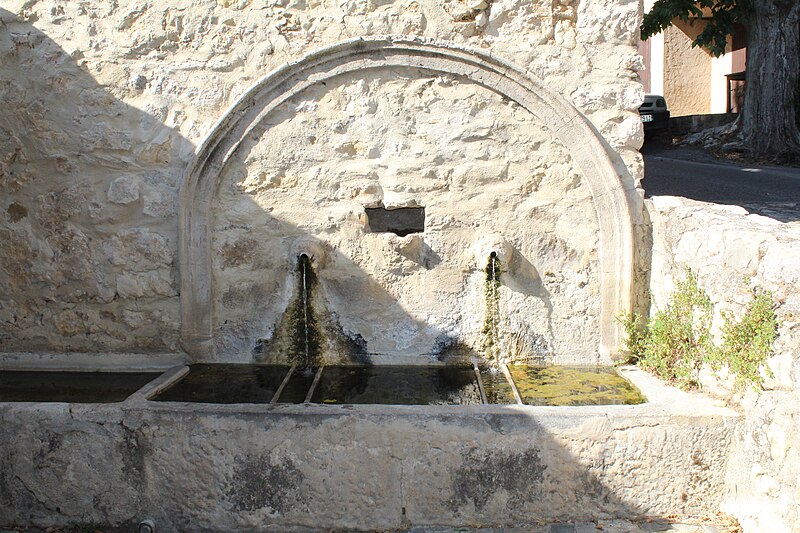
pixel 512 123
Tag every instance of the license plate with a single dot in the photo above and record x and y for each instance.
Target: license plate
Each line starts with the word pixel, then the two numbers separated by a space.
pixel 647 118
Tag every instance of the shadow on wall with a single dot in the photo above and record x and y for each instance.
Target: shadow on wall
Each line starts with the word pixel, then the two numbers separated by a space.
pixel 609 185
pixel 89 198
pixel 256 278
pixel 344 307
pixel 89 217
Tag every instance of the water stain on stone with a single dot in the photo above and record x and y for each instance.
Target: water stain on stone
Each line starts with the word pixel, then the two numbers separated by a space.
pixel 257 483
pixel 450 350
pixel 308 334
pixel 133 450
pixel 16 212
pixel 483 474
pixel 237 253
pixel 54 442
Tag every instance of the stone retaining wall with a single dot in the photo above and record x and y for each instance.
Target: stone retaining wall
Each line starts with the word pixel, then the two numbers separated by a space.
pixel 731 252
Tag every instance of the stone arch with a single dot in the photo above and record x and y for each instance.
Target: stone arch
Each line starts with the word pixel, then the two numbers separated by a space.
pixel 611 187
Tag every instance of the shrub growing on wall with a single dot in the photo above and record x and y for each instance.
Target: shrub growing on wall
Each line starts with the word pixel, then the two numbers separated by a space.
pixel 677 340
pixel 747 344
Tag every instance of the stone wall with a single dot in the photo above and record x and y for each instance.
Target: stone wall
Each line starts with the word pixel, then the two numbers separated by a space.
pixel 732 252
pixel 107 102
pixel 489 177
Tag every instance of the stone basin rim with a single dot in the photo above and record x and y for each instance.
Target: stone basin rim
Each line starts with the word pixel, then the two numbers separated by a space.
pixel 663 402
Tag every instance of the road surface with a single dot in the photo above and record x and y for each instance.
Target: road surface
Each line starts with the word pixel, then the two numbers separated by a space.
pixel 692 173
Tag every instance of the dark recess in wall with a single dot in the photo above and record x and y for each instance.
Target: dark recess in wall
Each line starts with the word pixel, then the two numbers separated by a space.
pixel 402 221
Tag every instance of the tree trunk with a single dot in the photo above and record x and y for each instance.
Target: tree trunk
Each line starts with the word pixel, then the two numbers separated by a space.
pixel 773 69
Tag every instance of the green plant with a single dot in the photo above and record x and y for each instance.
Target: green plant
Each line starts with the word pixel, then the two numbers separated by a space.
pixel 491 320
pixel 677 339
pixel 635 336
pixel 747 344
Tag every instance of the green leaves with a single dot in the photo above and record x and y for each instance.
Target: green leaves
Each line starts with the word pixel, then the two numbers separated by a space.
pixel 719 16
pixel 747 344
pixel 677 340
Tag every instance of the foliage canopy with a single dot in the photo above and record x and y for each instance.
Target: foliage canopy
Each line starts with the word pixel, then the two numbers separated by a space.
pixel 768 128
pixel 724 16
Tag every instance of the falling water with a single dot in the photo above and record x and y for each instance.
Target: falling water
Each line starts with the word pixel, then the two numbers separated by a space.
pixel 491 333
pixel 304 268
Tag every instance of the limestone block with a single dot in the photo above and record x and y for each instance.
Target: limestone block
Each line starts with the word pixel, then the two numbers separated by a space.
pixel 593 26
pixel 145 284
pixel 70 323
pixel 745 254
pixel 138 249
pixel 124 190
pixel 159 201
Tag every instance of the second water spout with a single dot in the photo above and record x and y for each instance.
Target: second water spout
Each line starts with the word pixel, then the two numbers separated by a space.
pixel 491 330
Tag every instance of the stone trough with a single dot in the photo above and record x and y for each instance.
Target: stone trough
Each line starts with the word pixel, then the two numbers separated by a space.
pixel 226 468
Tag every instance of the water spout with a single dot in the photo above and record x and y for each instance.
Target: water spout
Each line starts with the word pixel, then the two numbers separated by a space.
pixel 491 323
pixel 304 264
pixel 305 340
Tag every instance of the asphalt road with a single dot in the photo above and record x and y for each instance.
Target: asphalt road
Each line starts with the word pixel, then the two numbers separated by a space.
pixel 692 173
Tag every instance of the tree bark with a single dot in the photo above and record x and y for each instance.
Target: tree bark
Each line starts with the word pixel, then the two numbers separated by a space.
pixel 769 128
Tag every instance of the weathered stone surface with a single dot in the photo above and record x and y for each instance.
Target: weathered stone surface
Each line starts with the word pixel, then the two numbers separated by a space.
pixel 124 190
pixel 72 164
pixel 472 155
pixel 145 284
pixel 117 96
pixel 303 468
pixel 138 249
pixel 731 252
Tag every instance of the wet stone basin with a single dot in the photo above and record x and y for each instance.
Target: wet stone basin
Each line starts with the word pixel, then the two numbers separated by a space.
pixel 498 389
pixel 564 385
pixel 402 385
pixel 228 383
pixel 71 387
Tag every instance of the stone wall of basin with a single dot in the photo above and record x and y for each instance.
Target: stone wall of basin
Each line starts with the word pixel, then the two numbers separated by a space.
pixel 305 468
pixel 106 105
pixel 732 252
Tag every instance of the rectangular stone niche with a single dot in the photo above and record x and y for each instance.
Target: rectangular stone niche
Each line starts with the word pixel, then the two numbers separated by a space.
pixel 401 221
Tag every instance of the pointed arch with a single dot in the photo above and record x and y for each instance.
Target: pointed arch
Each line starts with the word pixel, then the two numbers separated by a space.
pixel 611 188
